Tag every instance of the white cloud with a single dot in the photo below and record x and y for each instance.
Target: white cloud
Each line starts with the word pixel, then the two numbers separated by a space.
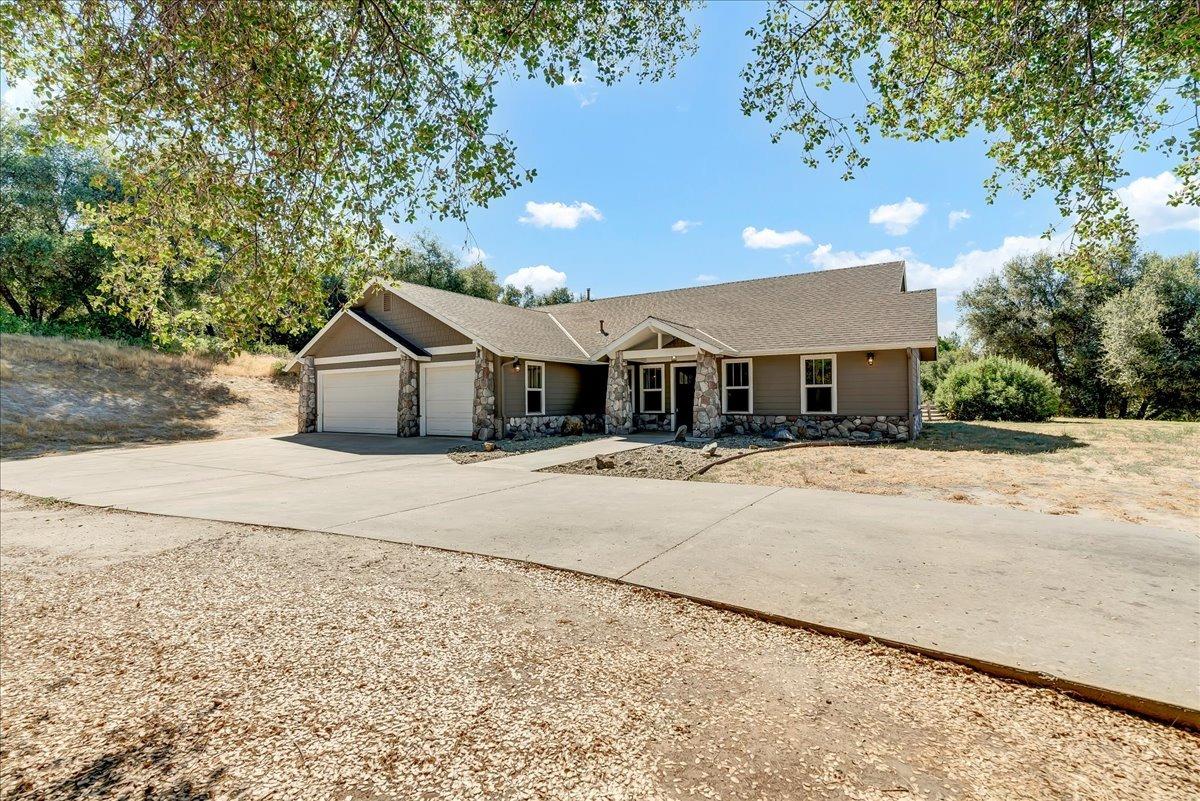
pixel 559 215
pixel 897 218
pixel 587 100
pixel 1147 198
pixel 19 95
pixel 683 226
pixel 541 277
pixel 956 217
pixel 473 255
pixel 771 239
pixel 705 278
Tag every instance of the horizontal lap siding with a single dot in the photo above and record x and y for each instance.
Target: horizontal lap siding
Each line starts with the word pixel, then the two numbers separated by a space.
pixel 776 384
pixel 348 337
pixel 569 388
pixel 418 327
pixel 881 388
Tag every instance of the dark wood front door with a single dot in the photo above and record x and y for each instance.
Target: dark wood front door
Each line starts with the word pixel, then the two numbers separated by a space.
pixel 685 395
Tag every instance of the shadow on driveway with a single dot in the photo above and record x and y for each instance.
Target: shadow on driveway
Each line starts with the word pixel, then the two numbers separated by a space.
pixel 376 444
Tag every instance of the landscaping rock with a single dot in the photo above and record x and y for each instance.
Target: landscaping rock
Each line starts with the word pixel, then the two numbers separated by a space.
pixel 681 434
pixel 783 435
pixel 709 450
pixel 605 464
pixel 489 446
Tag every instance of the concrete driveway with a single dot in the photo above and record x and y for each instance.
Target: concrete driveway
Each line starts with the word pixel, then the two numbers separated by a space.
pixel 1099 604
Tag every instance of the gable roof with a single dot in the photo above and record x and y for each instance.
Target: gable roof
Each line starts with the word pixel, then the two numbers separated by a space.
pixel 828 309
pixel 390 337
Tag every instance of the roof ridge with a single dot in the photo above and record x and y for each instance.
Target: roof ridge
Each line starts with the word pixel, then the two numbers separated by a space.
pixel 727 283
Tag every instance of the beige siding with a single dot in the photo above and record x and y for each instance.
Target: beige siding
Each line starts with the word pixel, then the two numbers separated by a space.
pixel 881 388
pixel 415 325
pixel 348 337
pixel 776 381
pixel 570 389
pixel 453 357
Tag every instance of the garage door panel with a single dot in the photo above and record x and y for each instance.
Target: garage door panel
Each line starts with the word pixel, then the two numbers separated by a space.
pixel 449 398
pixel 360 402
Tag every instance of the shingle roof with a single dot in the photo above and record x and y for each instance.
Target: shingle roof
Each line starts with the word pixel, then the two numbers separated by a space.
pixel 804 312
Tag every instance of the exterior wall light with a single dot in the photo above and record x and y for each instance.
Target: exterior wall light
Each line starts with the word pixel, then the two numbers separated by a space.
pixel 870 358
pixel 517 365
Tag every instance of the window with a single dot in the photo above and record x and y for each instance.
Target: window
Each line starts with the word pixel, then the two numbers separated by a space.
pixel 820 394
pixel 652 388
pixel 535 388
pixel 737 398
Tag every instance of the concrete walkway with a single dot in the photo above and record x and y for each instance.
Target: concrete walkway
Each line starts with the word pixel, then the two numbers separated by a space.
pixel 603 446
pixel 1108 605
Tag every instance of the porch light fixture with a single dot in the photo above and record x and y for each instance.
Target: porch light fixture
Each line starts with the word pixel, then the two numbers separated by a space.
pixel 517 364
pixel 870 358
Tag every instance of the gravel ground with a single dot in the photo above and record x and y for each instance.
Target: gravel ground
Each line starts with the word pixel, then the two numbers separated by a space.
pixel 156 657
pixel 676 460
pixel 469 454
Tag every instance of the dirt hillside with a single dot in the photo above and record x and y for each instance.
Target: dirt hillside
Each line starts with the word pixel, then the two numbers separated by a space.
pixel 62 394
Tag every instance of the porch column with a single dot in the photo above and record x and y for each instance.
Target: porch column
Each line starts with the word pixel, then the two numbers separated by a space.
pixel 306 412
pixel 618 402
pixel 483 417
pixel 706 408
pixel 408 407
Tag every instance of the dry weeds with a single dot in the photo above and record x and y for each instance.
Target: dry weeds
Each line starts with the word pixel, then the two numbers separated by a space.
pixel 158 657
pixel 1137 471
pixel 62 394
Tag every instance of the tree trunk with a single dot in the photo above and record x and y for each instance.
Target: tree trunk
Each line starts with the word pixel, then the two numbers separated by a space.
pixel 1142 409
pixel 11 301
pixel 1123 408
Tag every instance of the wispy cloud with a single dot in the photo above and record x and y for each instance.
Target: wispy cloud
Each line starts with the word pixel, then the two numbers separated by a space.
pixel 897 218
pixel 474 254
pixel 1147 199
pixel 559 215
pixel 770 239
pixel 955 217
pixel 683 226
pixel 705 278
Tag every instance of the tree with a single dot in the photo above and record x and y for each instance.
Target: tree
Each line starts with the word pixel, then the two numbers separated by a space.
pixel 1057 87
pixel 1036 311
pixel 1150 336
pixel 262 144
pixel 49 262
pixel 529 298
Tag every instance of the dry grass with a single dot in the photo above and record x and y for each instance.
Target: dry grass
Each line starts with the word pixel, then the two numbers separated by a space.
pixel 1137 471
pixel 62 394
pixel 149 657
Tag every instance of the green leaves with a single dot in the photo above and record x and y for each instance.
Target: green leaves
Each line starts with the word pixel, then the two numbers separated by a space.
pixel 262 145
pixel 1060 89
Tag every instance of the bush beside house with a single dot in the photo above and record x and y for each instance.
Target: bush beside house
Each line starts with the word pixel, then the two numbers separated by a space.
pixel 994 388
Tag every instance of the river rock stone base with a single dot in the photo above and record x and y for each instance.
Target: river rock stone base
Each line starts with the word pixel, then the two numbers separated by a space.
pixel 306 411
pixel 408 411
pixel 483 417
pixel 618 399
pixel 554 425
pixel 887 428
pixel 643 421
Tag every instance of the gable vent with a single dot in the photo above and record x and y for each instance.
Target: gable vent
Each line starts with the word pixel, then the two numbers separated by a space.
pixel 387 301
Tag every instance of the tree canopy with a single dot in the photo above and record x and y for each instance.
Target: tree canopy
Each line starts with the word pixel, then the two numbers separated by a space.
pixel 1060 89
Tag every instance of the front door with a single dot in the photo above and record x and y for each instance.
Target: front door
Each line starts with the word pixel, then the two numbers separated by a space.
pixel 685 395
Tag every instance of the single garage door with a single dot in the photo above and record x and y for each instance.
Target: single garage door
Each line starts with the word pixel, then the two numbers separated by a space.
pixel 360 401
pixel 449 392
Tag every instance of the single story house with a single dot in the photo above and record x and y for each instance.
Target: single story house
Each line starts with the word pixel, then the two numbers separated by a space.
pixel 833 353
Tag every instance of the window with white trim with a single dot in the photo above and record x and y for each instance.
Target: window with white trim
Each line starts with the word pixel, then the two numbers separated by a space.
pixel 819 393
pixel 736 396
pixel 535 388
pixel 652 388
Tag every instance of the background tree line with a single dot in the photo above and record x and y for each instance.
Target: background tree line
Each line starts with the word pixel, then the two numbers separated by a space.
pixel 1125 342
pixel 57 277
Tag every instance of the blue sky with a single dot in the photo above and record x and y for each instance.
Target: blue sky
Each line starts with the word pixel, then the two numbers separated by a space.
pixel 619 167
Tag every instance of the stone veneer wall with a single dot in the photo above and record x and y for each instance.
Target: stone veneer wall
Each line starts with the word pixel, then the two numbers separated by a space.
pixel 860 427
pixel 618 399
pixel 483 416
pixel 706 408
pixel 549 425
pixel 652 421
pixel 408 407
pixel 306 412
pixel 914 381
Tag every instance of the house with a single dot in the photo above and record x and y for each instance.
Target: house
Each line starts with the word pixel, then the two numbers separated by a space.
pixel 833 353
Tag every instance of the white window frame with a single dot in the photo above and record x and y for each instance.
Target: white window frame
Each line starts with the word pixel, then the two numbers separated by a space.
pixel 541 390
pixel 749 386
pixel 662 389
pixel 804 385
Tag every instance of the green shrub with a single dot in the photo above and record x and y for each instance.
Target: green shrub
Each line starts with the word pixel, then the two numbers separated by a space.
pixel 997 389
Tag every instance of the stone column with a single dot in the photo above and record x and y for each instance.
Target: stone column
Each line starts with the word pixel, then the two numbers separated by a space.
pixel 914 394
pixel 306 413
pixel 618 400
pixel 706 409
pixel 483 418
pixel 408 407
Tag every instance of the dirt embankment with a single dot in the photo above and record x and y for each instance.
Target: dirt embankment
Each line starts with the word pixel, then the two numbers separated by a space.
pixel 61 394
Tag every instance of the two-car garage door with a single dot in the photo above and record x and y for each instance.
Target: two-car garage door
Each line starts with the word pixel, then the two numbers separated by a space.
pixel 364 401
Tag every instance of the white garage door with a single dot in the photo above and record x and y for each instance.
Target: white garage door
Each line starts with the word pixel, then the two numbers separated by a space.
pixel 360 401
pixel 449 392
